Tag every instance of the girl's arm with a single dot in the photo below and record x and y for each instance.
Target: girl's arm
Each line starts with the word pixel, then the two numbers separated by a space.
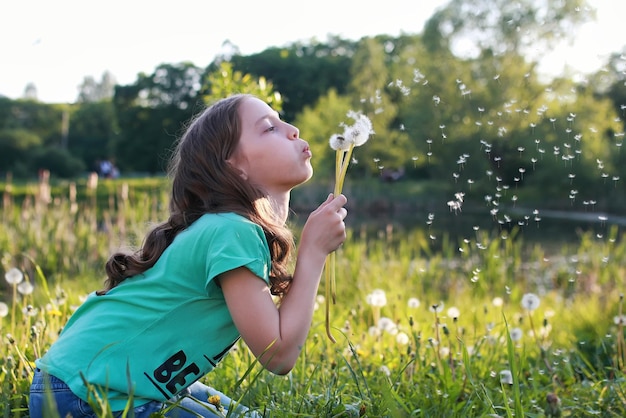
pixel 274 334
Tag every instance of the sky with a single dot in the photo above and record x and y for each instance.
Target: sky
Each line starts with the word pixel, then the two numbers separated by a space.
pixel 55 44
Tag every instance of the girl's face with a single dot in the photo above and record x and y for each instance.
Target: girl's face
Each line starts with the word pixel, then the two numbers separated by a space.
pixel 270 152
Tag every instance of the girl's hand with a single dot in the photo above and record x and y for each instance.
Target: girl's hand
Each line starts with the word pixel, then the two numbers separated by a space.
pixel 325 229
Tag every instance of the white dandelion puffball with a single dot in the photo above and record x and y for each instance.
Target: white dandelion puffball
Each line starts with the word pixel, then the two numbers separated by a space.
pixel 377 298
pixel 25 288
pixel 516 334
pixel 339 143
pixel 530 301
pixel 360 132
pixel 14 276
pixel 453 312
pixel 4 309
pixel 413 303
pixel 506 377
pixel 402 338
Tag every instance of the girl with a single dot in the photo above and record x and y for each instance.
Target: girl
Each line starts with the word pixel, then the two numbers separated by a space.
pixel 203 278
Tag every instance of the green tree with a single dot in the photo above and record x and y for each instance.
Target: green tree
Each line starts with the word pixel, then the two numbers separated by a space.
pixel 16 146
pixel 151 113
pixel 522 27
pixel 93 132
pixel 302 72
pixel 225 81
pixel 93 91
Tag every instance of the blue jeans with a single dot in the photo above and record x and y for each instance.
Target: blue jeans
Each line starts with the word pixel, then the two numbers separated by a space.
pixel 186 405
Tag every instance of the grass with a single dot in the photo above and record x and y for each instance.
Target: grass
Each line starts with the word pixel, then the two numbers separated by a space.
pixel 395 359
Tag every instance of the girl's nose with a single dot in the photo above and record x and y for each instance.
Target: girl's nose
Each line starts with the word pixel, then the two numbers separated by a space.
pixel 294 133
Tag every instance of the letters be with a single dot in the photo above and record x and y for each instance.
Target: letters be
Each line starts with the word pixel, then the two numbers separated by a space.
pixel 165 372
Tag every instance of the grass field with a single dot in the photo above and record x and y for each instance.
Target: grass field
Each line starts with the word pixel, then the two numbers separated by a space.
pixel 488 326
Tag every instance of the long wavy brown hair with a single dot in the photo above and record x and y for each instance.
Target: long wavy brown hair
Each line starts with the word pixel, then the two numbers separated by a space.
pixel 204 182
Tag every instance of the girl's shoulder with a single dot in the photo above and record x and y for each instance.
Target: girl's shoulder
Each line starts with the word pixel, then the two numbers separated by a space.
pixel 224 222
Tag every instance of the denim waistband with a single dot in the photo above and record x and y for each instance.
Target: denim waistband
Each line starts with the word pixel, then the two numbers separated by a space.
pixel 43 380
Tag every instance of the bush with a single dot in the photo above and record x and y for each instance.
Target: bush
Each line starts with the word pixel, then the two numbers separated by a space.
pixel 59 161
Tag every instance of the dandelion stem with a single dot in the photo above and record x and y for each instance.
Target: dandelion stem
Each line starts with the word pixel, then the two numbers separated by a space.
pixel 328 293
pixel 342 160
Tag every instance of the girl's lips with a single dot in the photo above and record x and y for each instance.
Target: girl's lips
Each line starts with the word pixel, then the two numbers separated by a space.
pixel 307 151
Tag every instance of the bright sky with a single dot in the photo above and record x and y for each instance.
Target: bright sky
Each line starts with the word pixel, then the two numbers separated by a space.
pixel 56 43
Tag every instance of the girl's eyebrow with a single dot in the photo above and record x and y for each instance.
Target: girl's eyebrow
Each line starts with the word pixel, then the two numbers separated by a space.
pixel 271 115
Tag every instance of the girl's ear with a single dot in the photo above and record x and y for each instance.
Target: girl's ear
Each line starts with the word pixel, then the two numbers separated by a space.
pixel 237 168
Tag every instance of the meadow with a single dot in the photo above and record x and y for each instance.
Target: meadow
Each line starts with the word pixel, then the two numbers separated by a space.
pixel 484 326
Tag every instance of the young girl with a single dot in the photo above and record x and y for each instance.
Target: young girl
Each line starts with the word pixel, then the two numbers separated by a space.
pixel 203 278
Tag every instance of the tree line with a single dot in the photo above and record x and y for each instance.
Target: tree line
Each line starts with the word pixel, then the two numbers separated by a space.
pixel 442 108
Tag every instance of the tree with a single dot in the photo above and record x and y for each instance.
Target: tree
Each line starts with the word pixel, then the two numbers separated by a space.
pixel 501 26
pixel 224 82
pixel 302 72
pixel 92 91
pixel 151 113
pixel 30 92
pixel 94 132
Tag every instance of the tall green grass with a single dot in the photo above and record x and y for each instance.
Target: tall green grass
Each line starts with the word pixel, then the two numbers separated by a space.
pixel 410 354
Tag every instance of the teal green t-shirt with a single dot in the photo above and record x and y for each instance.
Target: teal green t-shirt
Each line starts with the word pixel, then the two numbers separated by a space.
pixel 164 329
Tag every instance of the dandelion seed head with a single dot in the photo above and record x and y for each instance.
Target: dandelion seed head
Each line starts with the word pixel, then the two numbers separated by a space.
pixel 360 132
pixel 413 303
pixel 377 298
pixel 530 301
pixel 402 338
pixel 339 143
pixel 516 334
pixel 25 288
pixel 14 276
pixel 506 377
pixel 454 312
pixel 4 309
pixel 385 370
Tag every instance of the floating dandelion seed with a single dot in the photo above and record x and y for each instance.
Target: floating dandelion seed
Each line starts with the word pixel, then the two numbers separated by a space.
pixel 530 301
